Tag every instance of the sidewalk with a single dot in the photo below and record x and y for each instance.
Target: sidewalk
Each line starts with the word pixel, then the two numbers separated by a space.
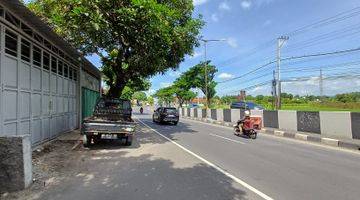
pixel 70 136
pixel 351 144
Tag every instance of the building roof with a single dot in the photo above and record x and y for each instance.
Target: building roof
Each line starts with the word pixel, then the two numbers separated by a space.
pixel 19 9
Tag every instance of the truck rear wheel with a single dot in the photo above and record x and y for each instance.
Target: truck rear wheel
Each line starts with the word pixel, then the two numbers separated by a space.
pixel 129 140
pixel 86 141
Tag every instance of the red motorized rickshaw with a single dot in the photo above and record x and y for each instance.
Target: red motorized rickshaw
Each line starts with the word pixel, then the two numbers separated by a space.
pixel 248 126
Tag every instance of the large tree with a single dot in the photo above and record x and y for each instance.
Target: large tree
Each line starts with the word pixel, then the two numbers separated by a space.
pixel 165 95
pixel 195 78
pixel 181 88
pixel 134 86
pixel 140 96
pixel 135 39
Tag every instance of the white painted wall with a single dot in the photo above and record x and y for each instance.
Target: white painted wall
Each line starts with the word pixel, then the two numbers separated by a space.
pixel 337 124
pixel 287 120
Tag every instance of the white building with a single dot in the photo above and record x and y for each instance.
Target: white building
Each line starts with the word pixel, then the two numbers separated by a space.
pixel 42 77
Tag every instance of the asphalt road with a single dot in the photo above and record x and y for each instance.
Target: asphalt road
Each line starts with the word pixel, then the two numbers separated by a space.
pixel 277 167
pixel 194 161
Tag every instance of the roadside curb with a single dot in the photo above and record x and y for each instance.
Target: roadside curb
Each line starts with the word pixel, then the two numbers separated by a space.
pixel 296 136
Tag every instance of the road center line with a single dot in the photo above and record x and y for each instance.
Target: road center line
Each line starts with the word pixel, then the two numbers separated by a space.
pixel 225 138
pixel 234 178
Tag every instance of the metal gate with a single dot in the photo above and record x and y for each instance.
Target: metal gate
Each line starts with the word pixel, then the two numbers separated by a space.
pixel 38 89
pixel 89 98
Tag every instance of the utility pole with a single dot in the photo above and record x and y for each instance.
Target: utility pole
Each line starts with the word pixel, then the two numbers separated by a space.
pixel 205 63
pixel 273 92
pixel 321 85
pixel 280 43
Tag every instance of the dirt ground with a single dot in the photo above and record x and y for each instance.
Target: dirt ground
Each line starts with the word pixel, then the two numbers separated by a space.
pixel 51 163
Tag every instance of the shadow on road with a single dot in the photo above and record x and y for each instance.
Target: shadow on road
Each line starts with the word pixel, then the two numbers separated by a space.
pixel 152 168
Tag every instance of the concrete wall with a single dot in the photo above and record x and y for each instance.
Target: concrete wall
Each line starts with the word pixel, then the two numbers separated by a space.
pixel 331 124
pixel 235 115
pixel 355 125
pixel 227 115
pixel 337 124
pixel 195 112
pixel 203 113
pixel 220 115
pixel 270 119
pixel 192 112
pixel 213 114
pixel 287 120
pixel 15 163
pixel 208 113
pixel 308 122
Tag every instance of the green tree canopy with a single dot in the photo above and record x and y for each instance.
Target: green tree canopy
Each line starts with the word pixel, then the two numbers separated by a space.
pixel 132 87
pixel 195 78
pixel 140 96
pixel 165 95
pixel 135 39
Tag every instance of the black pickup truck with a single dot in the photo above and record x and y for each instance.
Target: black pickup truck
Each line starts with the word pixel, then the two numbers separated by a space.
pixel 111 120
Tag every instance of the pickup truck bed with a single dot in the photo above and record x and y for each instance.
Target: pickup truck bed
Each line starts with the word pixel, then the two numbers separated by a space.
pixel 109 123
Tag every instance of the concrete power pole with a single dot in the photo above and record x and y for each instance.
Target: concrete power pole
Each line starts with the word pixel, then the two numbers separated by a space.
pixel 206 73
pixel 273 91
pixel 321 85
pixel 280 44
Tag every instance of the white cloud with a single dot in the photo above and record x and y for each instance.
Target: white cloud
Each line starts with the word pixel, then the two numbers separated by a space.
pixel 199 2
pixel 246 4
pixel 330 87
pixel 232 42
pixel 150 92
pixel 174 73
pixel 165 84
pixel 197 54
pixel 224 6
pixel 215 17
pixel 225 76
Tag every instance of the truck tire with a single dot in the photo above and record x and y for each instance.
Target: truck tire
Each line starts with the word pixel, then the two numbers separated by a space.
pixel 86 141
pixel 129 140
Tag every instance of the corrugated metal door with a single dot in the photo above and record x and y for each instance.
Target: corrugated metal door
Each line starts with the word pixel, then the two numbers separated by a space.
pixel 38 91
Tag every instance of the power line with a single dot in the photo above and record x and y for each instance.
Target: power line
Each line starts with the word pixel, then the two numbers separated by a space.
pixel 256 78
pixel 326 66
pixel 292 58
pixel 328 37
pixel 322 54
pixel 317 69
pixel 317 58
pixel 333 76
pixel 333 19
pixel 250 72
pixel 252 86
pixel 336 18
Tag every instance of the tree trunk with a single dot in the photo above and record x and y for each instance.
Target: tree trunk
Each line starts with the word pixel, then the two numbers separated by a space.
pixel 115 90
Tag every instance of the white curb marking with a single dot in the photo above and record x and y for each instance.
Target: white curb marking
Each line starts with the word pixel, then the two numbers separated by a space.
pixel 264 196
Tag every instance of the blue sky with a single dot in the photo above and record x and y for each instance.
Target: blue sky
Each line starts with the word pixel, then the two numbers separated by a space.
pixel 255 24
pixel 248 24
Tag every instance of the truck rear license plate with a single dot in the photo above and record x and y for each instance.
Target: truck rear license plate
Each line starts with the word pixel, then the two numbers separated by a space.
pixel 109 136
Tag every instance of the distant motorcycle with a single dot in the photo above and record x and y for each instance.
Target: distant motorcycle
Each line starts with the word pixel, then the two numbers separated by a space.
pixel 248 126
pixel 141 110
